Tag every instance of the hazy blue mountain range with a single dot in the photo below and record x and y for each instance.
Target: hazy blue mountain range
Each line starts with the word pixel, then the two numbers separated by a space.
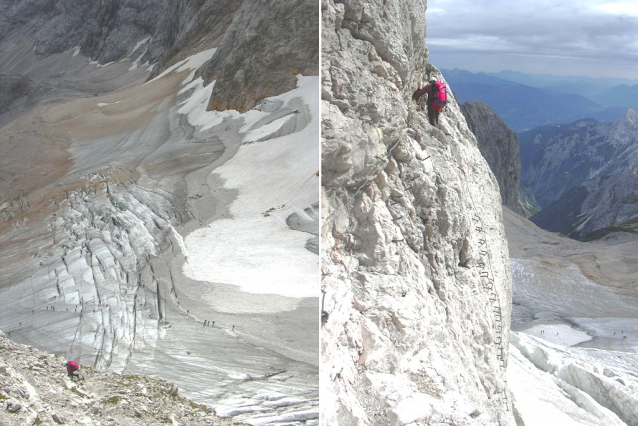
pixel 525 107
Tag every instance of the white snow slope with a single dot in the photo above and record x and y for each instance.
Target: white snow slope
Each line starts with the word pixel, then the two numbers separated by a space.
pixel 575 359
pixel 274 179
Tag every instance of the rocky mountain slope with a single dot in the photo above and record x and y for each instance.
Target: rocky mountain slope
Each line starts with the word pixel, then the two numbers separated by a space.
pixel 35 389
pixel 583 175
pixel 160 33
pixel 287 48
pixel 574 346
pixel 143 234
pixel 416 281
pixel 499 146
pixel 107 31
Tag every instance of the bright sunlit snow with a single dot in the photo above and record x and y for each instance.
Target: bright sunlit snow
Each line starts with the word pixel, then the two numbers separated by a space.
pixel 255 249
pixel 575 360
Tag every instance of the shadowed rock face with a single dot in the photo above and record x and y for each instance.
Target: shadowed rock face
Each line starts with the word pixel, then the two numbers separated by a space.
pixel 583 175
pixel 416 283
pixel 268 44
pixel 499 146
pixel 108 30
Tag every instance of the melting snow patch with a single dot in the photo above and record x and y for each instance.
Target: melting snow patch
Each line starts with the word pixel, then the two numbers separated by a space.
pixel 138 45
pixel 260 255
pixel 560 334
pixel 256 250
pixel 77 51
pixel 266 130
pixel 97 64
pixel 190 63
pixel 103 104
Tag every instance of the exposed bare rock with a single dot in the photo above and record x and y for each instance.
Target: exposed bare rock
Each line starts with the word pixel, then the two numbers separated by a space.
pixel 35 389
pixel 267 45
pixel 499 146
pixel 108 30
pixel 416 281
pixel 583 175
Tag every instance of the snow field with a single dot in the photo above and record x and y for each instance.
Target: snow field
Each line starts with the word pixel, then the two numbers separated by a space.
pixel 575 363
pixel 256 250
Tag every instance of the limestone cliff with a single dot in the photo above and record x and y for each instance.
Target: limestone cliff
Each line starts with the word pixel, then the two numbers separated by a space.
pixel 416 281
pixel 267 45
pixel 499 146
pixel 108 30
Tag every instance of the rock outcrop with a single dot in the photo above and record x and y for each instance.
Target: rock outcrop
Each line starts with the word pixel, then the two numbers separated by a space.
pixel 35 389
pixel 416 281
pixel 266 46
pixel 583 175
pixel 107 31
pixel 499 146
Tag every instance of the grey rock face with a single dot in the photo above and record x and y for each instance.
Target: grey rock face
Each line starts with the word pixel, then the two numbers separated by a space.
pixel 557 158
pixel 13 88
pixel 268 44
pixel 499 145
pixel 36 390
pixel 587 172
pixel 416 282
pixel 108 30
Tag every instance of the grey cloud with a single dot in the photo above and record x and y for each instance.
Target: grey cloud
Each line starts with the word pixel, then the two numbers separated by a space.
pixel 565 29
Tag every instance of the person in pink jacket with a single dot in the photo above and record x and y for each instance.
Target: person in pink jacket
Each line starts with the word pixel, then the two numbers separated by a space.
pixel 436 101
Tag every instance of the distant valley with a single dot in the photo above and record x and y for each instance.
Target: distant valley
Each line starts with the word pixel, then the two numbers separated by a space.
pixel 527 101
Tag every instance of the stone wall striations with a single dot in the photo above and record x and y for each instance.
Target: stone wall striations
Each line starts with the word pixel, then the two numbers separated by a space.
pixel 416 281
pixel 499 146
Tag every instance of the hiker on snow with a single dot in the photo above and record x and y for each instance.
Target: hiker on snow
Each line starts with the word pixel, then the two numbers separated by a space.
pixel 72 368
pixel 437 99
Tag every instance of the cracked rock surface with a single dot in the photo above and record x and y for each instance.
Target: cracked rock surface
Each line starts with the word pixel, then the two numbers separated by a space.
pixel 499 146
pixel 35 389
pixel 416 280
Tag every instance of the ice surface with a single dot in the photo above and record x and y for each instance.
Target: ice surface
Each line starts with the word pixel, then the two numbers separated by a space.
pixel 257 261
pixel 561 334
pixel 191 63
pixel 565 366
pixel 274 179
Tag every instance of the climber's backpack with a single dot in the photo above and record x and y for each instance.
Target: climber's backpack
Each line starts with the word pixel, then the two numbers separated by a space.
pixel 438 97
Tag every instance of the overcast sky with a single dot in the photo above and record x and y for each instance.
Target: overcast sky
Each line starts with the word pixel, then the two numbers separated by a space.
pixel 596 38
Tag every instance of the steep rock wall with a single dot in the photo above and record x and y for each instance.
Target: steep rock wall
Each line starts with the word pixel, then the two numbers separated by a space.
pixel 499 146
pixel 268 44
pixel 109 30
pixel 416 282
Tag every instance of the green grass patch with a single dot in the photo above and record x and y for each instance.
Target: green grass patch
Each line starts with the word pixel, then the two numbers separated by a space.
pixel 113 400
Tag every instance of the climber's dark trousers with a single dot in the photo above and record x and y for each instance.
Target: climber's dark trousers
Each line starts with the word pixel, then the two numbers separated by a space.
pixel 433 116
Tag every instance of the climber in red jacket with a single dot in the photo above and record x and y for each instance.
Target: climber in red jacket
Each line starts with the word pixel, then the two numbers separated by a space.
pixel 437 99
pixel 72 368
